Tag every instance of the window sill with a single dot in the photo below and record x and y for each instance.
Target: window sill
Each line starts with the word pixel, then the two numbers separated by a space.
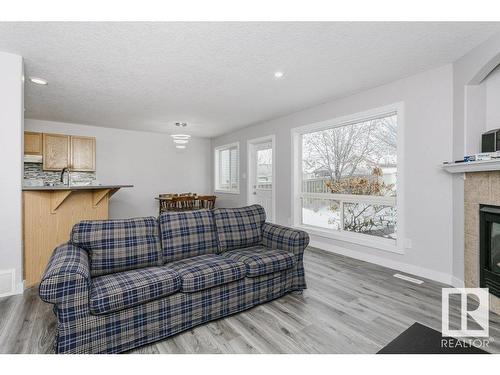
pixel 227 191
pixel 359 239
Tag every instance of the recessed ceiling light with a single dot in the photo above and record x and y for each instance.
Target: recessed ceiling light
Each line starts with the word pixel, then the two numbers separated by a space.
pixel 181 124
pixel 180 146
pixel 180 136
pixel 278 74
pixel 38 81
pixel 181 141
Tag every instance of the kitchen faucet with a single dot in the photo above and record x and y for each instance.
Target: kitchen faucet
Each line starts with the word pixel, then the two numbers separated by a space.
pixel 65 169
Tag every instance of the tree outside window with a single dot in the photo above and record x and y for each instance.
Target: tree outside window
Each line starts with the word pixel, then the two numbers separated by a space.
pixel 355 159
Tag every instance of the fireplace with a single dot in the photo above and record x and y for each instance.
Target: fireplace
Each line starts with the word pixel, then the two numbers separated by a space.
pixel 489 248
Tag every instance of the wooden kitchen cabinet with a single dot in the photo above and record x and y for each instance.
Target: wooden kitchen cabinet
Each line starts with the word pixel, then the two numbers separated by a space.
pixel 33 143
pixel 67 151
pixel 56 152
pixel 82 154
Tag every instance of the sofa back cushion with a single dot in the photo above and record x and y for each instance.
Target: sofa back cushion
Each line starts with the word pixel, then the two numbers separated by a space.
pixel 118 245
pixel 187 234
pixel 239 227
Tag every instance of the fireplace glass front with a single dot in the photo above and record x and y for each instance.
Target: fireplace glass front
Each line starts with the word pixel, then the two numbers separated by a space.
pixel 489 246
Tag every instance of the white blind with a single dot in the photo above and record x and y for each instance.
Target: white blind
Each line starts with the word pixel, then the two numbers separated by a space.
pixel 224 169
pixel 227 168
pixel 235 162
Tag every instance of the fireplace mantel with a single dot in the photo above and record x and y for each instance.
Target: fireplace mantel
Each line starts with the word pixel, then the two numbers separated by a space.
pixel 473 166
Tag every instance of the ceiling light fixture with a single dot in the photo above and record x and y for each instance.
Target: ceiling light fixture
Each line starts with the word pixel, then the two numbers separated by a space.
pixel 180 136
pixel 278 75
pixel 180 141
pixel 181 124
pixel 38 81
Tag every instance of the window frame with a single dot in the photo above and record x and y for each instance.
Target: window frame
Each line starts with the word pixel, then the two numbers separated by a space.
pixel 398 201
pixel 217 151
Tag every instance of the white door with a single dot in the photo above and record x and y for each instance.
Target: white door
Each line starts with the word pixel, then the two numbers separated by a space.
pixel 261 176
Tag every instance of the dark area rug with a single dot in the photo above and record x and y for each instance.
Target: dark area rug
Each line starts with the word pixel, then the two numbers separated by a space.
pixel 419 339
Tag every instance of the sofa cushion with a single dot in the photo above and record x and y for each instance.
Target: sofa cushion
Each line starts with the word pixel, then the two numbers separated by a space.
pixel 260 260
pixel 239 227
pixel 126 289
pixel 207 271
pixel 118 245
pixel 187 234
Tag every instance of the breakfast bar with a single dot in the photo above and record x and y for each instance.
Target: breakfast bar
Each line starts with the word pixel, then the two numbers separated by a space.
pixel 49 214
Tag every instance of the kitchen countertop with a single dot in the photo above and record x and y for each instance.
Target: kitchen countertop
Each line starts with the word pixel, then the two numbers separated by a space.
pixel 74 187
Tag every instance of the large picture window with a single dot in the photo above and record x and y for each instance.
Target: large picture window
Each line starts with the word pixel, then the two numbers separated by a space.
pixel 227 161
pixel 348 178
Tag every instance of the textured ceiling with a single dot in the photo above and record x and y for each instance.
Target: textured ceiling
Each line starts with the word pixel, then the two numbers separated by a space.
pixel 218 76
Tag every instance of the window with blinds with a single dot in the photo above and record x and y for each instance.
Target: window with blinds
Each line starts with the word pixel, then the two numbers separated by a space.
pixel 227 161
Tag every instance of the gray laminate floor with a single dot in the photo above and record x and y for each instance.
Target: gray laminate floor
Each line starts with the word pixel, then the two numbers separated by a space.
pixel 349 307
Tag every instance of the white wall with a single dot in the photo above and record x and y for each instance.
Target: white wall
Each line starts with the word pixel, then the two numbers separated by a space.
pixel 492 84
pixel 427 99
pixel 482 110
pixel 149 161
pixel 11 141
pixel 468 123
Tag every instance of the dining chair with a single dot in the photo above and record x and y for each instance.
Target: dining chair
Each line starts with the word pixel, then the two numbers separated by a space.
pixel 184 203
pixel 167 202
pixel 207 201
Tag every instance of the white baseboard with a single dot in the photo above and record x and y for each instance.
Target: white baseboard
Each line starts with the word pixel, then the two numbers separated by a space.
pixel 20 288
pixel 389 263
pixel 457 283
pixel 8 286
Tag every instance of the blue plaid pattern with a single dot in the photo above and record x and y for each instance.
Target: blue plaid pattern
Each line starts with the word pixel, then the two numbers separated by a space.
pixel 239 227
pixel 187 234
pixel 66 276
pixel 207 271
pixel 118 245
pixel 291 240
pixel 119 331
pixel 67 284
pixel 261 261
pixel 126 289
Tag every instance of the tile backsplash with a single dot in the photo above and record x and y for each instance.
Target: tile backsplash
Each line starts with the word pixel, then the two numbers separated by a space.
pixel 34 171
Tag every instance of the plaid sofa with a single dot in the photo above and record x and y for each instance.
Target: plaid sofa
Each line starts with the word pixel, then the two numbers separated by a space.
pixel 120 284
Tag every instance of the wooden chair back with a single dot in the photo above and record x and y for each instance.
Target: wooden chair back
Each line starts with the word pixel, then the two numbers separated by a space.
pixel 207 201
pixel 167 204
pixel 184 203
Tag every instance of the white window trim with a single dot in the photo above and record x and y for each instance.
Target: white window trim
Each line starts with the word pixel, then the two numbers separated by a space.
pixel 216 168
pixel 296 182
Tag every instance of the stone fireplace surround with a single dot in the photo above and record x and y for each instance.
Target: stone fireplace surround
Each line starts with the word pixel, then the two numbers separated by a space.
pixel 479 188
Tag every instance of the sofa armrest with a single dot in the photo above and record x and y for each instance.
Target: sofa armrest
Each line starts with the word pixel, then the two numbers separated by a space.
pixel 67 275
pixel 283 238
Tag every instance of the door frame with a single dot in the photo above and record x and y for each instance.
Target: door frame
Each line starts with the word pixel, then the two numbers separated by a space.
pixel 250 143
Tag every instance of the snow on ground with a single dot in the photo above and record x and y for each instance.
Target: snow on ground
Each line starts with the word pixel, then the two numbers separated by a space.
pixel 322 218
